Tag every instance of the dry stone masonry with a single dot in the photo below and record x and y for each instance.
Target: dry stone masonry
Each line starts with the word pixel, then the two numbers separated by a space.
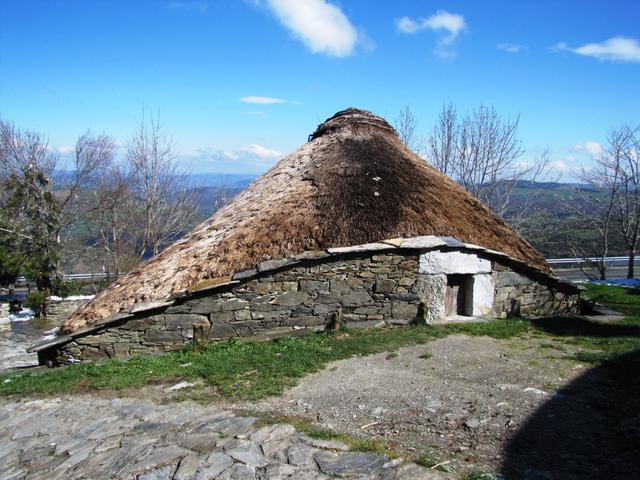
pixel 355 286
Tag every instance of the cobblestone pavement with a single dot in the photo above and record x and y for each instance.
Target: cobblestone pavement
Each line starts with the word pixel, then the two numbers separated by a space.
pixel 73 438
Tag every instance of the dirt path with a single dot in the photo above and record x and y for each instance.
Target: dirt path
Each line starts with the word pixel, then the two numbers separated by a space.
pixel 459 399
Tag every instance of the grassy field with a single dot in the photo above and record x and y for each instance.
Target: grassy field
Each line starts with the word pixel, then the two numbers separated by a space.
pixel 252 370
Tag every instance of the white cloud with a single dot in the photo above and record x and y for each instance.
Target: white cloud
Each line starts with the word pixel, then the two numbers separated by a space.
pixel 200 6
pixel 407 25
pixel 511 47
pixel 449 25
pixel 261 152
pixel 64 149
pixel 593 149
pixel 253 158
pixel 560 166
pixel 322 26
pixel 615 49
pixel 262 100
pixel 256 113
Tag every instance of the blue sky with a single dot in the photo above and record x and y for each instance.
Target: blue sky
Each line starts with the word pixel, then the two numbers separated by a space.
pixel 570 69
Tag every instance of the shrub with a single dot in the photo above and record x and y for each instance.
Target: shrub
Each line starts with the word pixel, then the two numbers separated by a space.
pixel 36 301
pixel 65 288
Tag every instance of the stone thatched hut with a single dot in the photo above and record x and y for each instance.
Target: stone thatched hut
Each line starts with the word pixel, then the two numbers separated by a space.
pixel 351 225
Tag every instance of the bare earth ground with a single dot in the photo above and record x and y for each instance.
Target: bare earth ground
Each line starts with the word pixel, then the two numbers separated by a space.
pixel 478 402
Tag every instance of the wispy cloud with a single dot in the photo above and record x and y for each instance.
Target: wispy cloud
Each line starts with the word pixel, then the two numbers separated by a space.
pixel 197 6
pixel 253 158
pixel 560 166
pixel 449 25
pixel 511 47
pixel 256 113
pixel 64 149
pixel 615 49
pixel 593 149
pixel 261 152
pixel 262 100
pixel 320 25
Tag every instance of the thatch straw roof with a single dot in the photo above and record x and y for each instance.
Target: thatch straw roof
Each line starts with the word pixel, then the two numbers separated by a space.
pixel 353 183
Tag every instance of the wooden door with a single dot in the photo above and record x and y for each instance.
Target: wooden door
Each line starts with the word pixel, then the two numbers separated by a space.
pixel 455 295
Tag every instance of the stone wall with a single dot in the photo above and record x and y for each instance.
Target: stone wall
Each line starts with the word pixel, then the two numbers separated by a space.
pixel 363 290
pixel 518 295
pixel 366 290
pixel 59 310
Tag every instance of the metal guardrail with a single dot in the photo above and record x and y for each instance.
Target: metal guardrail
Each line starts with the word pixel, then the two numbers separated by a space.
pixel 76 276
pixel 609 261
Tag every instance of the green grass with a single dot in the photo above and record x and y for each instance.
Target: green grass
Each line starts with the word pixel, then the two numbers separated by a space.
pixel 355 444
pixel 600 342
pixel 253 370
pixel 243 370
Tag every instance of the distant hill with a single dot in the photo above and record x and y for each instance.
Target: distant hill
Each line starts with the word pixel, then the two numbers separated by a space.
pixel 234 180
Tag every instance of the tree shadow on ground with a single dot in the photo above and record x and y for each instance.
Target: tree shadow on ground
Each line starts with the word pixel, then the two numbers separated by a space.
pixel 589 430
pixel 581 327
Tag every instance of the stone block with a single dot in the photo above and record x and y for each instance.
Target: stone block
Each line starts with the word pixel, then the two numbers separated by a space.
pixel 245 274
pixel 275 315
pixel 404 297
pixel 221 330
pixel 163 336
pixel 221 316
pixel 205 305
pixel 339 288
pixel 314 286
pixel 366 310
pixel 385 286
pixel 182 321
pixel 234 304
pixel 406 281
pixel 306 321
pixel 325 308
pixel 453 262
pixel 275 264
pixel 292 298
pixel 366 324
pixel 381 270
pixel 93 353
pixel 355 298
pixel 241 315
pixel 355 282
pixel 508 279
pixel 404 311
pixel 141 324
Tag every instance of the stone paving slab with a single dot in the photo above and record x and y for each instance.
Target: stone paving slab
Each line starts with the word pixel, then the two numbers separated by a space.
pixel 80 438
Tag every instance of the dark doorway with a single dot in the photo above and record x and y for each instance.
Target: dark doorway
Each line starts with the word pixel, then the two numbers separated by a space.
pixel 457 298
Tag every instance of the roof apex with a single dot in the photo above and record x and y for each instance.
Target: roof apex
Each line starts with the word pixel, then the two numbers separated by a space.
pixel 352 118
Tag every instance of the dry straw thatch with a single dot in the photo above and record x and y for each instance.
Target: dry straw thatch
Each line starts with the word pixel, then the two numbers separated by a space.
pixel 354 182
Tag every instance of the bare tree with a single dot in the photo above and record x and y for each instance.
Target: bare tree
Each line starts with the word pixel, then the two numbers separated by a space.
pixel 488 148
pixel 623 156
pixel 442 145
pixel 114 223
pixel 92 160
pixel 162 194
pixel 597 208
pixel 481 151
pixel 407 127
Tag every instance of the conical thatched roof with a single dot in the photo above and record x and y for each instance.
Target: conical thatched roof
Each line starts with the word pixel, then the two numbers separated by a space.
pixel 353 183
